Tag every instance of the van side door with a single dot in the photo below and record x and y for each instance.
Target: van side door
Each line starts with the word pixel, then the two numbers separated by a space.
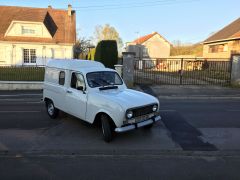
pixel 76 96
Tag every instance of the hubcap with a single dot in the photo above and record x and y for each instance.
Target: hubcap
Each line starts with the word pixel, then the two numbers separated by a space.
pixel 50 108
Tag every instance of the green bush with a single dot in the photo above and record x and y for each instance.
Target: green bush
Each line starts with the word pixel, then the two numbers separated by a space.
pixel 107 53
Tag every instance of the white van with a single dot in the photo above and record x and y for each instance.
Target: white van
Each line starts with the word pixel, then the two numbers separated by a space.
pixel 91 92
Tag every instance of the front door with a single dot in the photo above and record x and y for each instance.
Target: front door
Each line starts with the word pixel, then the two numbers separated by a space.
pixel 76 97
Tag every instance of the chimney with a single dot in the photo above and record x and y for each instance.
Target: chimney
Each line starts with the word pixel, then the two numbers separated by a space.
pixel 49 6
pixel 69 10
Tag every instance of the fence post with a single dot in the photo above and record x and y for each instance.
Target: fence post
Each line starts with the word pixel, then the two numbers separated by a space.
pixel 181 72
pixel 128 68
pixel 235 69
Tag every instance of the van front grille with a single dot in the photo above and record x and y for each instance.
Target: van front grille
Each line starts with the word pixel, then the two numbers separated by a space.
pixel 142 110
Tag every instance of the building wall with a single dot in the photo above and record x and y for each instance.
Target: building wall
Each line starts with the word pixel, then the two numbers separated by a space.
pixel 12 53
pixel 233 47
pixel 157 47
pixel 16 29
pixel 137 49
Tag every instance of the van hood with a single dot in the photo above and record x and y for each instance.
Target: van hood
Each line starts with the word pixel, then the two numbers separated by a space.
pixel 128 98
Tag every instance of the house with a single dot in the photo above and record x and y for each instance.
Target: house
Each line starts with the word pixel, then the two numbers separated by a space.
pixel 224 43
pixel 150 46
pixel 30 36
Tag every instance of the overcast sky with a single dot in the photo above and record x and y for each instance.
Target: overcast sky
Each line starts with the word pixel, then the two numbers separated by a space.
pixel 190 21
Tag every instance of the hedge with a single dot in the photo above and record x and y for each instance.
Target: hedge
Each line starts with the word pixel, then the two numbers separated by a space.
pixel 107 53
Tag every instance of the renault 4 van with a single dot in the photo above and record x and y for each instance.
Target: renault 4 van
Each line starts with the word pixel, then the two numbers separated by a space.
pixel 93 93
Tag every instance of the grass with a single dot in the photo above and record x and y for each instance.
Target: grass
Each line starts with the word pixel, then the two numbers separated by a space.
pixel 197 74
pixel 22 73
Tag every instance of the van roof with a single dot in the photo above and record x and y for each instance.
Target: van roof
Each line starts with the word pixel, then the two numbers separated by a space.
pixel 74 64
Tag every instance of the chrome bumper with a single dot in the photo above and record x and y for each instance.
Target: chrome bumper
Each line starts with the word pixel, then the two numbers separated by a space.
pixel 138 125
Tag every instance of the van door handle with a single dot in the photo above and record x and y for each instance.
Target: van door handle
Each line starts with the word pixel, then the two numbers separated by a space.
pixel 68 91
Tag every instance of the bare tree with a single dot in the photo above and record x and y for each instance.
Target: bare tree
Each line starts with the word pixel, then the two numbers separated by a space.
pixel 81 47
pixel 107 32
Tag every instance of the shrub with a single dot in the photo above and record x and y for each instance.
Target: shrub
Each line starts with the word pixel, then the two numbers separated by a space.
pixel 91 54
pixel 107 53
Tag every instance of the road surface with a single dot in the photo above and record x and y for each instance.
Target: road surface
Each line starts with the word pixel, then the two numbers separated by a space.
pixel 196 139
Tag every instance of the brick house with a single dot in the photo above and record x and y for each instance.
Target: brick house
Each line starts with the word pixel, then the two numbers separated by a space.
pixel 224 43
pixel 150 46
pixel 30 36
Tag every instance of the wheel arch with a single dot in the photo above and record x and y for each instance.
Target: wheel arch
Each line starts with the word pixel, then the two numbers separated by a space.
pixel 97 119
pixel 47 99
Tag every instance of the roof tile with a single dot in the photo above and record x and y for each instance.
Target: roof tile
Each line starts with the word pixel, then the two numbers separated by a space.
pixel 230 31
pixel 59 24
pixel 147 37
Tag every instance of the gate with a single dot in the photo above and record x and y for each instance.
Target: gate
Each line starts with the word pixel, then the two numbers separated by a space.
pixel 172 71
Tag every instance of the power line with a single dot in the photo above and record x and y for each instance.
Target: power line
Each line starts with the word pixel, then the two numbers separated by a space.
pixel 166 2
pixel 123 4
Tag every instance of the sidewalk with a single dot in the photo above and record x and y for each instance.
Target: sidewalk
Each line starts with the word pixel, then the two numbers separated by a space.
pixel 191 92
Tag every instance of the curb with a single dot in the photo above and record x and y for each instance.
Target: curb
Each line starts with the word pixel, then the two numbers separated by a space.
pixel 121 153
pixel 201 97
pixel 21 85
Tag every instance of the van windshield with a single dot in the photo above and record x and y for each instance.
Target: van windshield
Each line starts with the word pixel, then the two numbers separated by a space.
pixel 103 78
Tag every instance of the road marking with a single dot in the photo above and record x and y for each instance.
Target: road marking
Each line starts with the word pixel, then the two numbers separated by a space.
pixel 167 110
pixel 233 110
pixel 17 95
pixel 17 99
pixel 20 111
pixel 21 102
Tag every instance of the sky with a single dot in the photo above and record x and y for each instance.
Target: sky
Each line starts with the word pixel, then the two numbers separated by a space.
pixel 190 21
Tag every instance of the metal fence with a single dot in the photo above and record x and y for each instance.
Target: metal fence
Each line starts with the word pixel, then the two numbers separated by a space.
pixel 182 71
pixel 21 73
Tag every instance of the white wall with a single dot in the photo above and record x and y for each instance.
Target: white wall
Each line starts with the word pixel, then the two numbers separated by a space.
pixel 15 29
pixel 12 53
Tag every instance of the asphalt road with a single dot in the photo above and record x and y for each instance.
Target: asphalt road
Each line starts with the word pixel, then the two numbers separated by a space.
pixel 196 139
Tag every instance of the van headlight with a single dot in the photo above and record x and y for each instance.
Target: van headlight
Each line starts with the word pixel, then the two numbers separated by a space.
pixel 129 114
pixel 154 108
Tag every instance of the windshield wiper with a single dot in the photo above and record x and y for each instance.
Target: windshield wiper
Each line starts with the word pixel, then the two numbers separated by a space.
pixel 108 87
pixel 103 80
pixel 95 82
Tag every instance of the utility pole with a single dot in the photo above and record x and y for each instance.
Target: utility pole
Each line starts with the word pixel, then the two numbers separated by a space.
pixel 138 45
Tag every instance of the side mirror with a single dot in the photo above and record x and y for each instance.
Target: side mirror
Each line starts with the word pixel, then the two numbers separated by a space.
pixel 81 88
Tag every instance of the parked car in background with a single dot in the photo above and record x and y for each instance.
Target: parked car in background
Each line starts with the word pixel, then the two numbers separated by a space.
pixel 93 93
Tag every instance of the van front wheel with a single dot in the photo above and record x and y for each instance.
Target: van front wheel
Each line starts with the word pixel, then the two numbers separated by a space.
pixel 51 110
pixel 106 128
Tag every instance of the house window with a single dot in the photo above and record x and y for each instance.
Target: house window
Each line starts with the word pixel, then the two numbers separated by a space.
pixel 61 78
pixel 218 48
pixel 29 55
pixel 27 30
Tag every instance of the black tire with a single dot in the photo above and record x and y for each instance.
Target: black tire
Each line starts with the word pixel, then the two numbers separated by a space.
pixel 51 110
pixel 148 126
pixel 106 128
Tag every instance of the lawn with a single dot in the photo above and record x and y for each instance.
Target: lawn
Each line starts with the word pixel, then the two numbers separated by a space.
pixel 196 74
pixel 22 73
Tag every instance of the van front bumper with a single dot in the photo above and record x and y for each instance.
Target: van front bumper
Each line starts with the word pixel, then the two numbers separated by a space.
pixel 138 125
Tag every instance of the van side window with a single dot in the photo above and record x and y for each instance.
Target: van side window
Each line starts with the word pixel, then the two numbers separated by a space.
pixel 77 81
pixel 61 80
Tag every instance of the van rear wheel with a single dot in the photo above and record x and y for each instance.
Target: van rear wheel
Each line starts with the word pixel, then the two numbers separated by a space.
pixel 106 128
pixel 51 110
